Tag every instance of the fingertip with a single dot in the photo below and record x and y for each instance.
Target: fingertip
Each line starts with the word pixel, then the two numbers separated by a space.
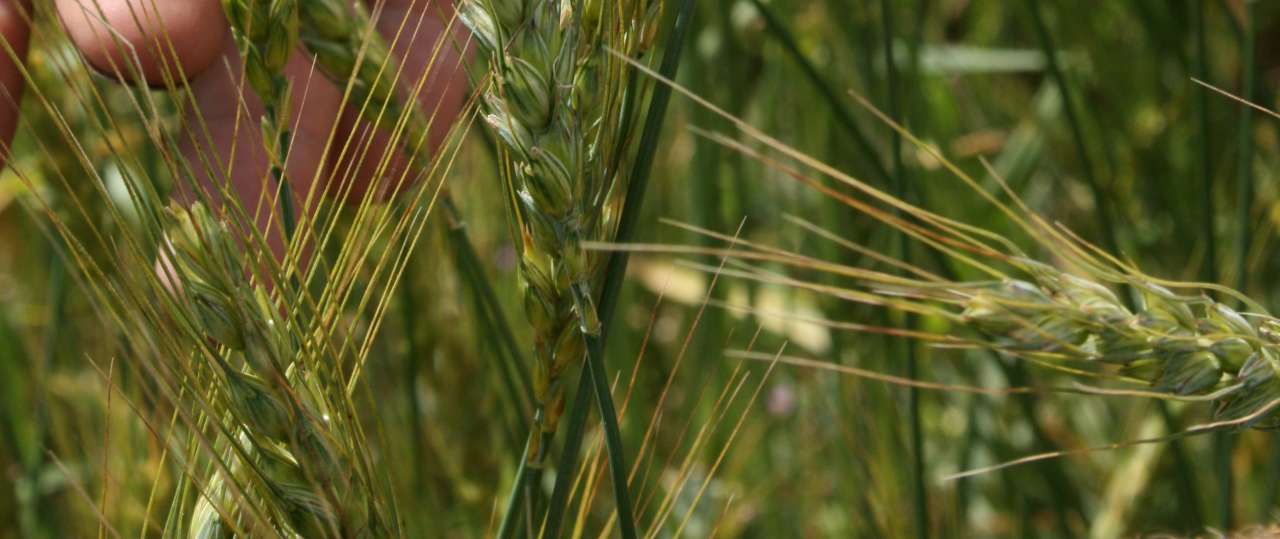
pixel 15 16
pixel 162 39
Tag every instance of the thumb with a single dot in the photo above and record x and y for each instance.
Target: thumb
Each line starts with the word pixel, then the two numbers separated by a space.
pixel 161 39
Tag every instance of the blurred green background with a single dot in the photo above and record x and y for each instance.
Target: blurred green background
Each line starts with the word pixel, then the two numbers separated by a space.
pixel 1087 109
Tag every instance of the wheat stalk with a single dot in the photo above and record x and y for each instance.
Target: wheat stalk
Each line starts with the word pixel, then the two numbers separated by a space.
pixel 557 100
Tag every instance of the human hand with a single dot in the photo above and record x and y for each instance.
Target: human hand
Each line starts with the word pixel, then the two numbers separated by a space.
pixel 154 41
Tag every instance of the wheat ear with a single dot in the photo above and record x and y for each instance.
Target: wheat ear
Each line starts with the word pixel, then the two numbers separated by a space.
pixel 284 443
pixel 1178 345
pixel 557 100
pixel 265 32
pixel 1183 346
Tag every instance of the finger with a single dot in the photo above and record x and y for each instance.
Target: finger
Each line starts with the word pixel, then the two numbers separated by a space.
pixel 430 74
pixel 122 38
pixel 434 72
pixel 222 131
pixel 14 30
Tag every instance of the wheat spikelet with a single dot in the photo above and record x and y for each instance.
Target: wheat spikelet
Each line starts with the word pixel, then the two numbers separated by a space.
pixel 558 102
pixel 265 32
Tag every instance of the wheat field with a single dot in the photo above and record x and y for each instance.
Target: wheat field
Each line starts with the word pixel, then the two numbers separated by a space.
pixel 642 268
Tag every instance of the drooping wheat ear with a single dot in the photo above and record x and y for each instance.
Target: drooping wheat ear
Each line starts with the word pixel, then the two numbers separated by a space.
pixel 1172 346
pixel 286 444
pixel 561 105
pixel 1179 345
pixel 265 32
pixel 1186 346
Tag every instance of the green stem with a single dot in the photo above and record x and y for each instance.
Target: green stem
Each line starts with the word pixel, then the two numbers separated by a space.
pixel 41 435
pixel 616 269
pixel 491 321
pixel 489 308
pixel 414 357
pixel 1205 142
pixel 898 184
pixel 612 436
pixel 510 519
pixel 1065 496
pixel 1110 235
pixel 1244 179
pixel 284 192
pixel 57 319
pixel 1189 503
pixel 964 486
pixel 21 435
pixel 638 182
pixel 510 391
pixel 1226 487
pixel 577 422
pixel 1201 67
